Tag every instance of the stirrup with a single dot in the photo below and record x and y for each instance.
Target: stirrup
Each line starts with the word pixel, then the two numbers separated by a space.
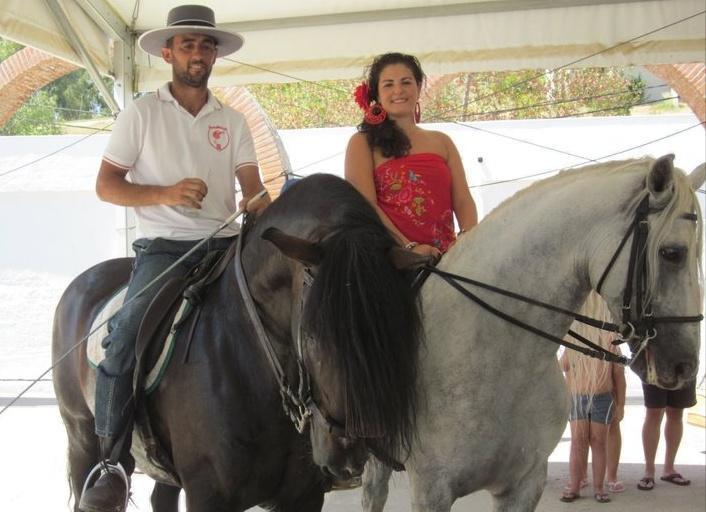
pixel 106 467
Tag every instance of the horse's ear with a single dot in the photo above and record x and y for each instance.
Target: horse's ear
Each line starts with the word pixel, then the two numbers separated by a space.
pixel 698 176
pixel 304 251
pixel 660 179
pixel 402 259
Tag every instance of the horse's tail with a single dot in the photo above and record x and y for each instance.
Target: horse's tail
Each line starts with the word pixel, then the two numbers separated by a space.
pixel 375 342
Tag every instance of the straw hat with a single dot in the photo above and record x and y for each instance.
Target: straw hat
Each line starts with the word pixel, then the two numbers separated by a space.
pixel 190 19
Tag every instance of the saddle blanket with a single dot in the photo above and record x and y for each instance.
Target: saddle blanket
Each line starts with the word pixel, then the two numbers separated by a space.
pixel 96 353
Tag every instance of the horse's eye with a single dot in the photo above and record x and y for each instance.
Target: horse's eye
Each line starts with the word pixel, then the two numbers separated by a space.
pixel 673 254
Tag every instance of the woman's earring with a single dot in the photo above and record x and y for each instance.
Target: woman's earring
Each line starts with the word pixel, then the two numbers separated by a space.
pixel 417 113
pixel 375 114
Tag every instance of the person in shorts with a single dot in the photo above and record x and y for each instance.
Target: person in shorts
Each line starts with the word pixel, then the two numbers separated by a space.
pixel 659 402
pixel 597 390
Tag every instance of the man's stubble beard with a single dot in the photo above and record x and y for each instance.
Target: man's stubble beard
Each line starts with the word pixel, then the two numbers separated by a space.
pixel 193 81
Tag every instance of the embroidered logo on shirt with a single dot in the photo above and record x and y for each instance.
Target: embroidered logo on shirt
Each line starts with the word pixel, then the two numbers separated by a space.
pixel 218 137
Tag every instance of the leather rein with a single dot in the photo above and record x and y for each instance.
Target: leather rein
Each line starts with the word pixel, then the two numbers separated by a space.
pixel 637 328
pixel 298 405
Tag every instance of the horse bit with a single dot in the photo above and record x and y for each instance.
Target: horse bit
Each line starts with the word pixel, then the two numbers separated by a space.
pixel 636 330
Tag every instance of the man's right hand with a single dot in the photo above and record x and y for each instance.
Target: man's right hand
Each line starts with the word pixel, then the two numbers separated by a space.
pixel 188 192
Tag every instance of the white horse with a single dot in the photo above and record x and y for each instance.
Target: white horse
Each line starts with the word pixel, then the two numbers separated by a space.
pixel 494 400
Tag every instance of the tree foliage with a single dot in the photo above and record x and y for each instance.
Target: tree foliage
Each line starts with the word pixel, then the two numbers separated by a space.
pixel 7 48
pixel 531 94
pixel 309 104
pixel 77 97
pixel 528 94
pixel 35 117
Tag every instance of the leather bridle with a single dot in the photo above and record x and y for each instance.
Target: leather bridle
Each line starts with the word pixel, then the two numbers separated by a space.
pixel 639 325
pixel 298 405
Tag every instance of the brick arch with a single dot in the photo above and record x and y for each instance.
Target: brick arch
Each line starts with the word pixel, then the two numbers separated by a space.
pixel 689 80
pixel 24 73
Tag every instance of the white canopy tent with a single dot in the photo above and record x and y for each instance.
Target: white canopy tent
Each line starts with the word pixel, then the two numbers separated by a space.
pixel 329 39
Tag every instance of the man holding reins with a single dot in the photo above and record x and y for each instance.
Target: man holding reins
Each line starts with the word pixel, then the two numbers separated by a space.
pixel 181 149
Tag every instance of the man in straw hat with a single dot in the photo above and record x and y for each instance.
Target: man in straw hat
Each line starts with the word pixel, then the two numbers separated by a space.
pixel 181 148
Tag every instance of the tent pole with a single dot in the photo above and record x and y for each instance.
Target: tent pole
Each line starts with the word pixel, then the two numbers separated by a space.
pixel 75 42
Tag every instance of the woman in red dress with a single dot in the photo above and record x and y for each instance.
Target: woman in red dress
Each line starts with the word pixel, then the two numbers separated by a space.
pixel 413 177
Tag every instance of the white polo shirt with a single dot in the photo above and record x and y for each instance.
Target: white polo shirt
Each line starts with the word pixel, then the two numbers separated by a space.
pixel 160 143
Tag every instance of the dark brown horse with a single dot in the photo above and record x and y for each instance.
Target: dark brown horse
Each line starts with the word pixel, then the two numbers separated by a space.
pixel 339 316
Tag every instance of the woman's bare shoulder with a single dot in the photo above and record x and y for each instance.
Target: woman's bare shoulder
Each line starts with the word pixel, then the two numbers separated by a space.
pixel 437 136
pixel 358 139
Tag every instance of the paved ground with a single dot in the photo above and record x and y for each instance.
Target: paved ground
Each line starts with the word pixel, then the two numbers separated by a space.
pixel 33 448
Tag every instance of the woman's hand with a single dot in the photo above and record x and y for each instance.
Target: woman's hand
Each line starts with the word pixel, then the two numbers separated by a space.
pixel 427 250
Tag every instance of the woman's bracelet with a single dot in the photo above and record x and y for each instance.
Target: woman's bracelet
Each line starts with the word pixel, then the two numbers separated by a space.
pixel 411 245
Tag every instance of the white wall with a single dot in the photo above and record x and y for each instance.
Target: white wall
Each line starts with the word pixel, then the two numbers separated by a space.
pixel 49 207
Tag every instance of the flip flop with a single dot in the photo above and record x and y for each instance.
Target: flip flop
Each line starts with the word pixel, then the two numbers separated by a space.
pixel 676 479
pixel 601 497
pixel 615 487
pixel 569 497
pixel 646 484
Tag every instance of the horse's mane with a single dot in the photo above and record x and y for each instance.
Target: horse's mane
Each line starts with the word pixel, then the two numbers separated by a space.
pixel 365 316
pixel 563 178
pixel 683 200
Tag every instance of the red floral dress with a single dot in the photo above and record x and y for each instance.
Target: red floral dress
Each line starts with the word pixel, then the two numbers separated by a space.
pixel 414 191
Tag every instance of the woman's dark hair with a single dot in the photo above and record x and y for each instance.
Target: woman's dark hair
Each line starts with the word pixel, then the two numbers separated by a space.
pixel 387 135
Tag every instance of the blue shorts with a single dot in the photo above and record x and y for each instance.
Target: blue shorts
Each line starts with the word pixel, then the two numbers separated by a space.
pixel 600 410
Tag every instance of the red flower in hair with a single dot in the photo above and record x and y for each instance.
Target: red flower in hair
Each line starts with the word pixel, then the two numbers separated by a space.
pixel 361 95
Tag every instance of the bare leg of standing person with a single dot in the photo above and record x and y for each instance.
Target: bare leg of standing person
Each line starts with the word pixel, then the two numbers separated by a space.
pixel 598 436
pixel 613 447
pixel 673 431
pixel 577 459
pixel 650 441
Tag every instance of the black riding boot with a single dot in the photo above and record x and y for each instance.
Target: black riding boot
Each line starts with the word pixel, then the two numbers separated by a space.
pixel 110 491
pixel 107 485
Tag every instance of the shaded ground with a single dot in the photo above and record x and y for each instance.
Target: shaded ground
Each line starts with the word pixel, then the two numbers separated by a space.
pixel 33 448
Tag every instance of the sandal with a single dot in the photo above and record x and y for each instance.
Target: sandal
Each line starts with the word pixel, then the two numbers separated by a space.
pixel 647 483
pixel 615 487
pixel 676 479
pixel 601 497
pixel 569 497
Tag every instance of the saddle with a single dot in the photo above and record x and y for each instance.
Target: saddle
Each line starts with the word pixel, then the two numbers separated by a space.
pixel 173 312
pixel 174 309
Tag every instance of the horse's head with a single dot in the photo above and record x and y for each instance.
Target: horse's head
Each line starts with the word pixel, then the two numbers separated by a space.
pixel 651 280
pixel 356 338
